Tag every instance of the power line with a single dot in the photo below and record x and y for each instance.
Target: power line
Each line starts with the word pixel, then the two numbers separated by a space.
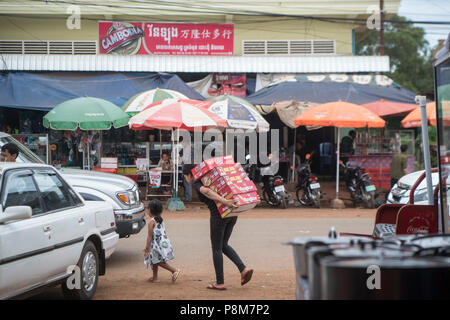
pixel 240 12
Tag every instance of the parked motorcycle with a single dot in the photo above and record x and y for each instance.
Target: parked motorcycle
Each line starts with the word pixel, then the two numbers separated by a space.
pixel 308 188
pixel 274 192
pixel 360 185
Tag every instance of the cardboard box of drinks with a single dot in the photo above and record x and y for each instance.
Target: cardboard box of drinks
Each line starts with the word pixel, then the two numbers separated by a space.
pixel 244 201
pixel 230 181
pixel 204 167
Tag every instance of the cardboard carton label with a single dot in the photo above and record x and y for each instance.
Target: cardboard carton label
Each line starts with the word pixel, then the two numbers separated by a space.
pixel 244 202
pixel 223 171
pixel 209 164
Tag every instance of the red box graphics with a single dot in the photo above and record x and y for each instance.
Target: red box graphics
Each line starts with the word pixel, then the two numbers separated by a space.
pixel 204 167
pixel 244 201
pixel 235 185
pixel 224 171
pixel 232 182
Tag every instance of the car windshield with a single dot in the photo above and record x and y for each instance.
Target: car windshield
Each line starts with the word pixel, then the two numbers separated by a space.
pixel 25 155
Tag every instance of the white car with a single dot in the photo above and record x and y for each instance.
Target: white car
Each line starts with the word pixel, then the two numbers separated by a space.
pixel 401 190
pixel 49 234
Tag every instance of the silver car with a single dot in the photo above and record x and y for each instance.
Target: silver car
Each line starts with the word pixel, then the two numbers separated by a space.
pixel 121 192
pixel 400 192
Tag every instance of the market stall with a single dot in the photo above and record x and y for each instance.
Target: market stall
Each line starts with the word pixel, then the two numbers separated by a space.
pixel 86 114
pixel 129 146
pixel 374 149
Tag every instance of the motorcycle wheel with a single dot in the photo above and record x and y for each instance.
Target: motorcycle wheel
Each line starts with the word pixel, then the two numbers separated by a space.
pixel 284 203
pixel 270 200
pixel 308 201
pixel 368 199
pixel 316 198
pixel 302 198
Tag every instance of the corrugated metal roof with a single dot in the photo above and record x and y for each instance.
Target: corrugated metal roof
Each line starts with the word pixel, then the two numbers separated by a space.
pixel 244 64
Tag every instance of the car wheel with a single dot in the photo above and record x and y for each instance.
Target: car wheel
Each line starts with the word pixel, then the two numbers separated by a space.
pixel 89 266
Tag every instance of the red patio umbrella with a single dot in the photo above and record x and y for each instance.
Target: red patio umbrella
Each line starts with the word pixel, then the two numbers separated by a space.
pixel 176 113
pixel 384 108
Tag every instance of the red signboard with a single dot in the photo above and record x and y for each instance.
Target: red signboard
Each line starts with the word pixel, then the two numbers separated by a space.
pixel 129 38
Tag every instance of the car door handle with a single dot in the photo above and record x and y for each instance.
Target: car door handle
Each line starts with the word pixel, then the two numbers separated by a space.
pixel 47 228
pixel 81 220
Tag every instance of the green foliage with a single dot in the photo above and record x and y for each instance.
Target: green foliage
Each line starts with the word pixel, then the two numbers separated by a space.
pixel 410 55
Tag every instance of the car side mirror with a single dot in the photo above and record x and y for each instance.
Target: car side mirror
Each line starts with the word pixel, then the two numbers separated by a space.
pixel 16 213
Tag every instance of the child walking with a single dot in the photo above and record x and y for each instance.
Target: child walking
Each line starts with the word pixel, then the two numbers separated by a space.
pixel 158 249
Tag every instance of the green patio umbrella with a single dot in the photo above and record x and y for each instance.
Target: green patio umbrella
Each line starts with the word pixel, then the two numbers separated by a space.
pixel 86 113
pixel 138 102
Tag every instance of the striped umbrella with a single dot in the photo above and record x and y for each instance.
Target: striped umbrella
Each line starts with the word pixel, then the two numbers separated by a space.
pixel 176 113
pixel 137 103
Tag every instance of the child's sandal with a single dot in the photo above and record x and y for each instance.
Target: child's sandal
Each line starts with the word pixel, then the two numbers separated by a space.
pixel 175 275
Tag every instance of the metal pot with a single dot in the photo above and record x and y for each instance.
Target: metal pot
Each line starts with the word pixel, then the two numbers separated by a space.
pixel 300 247
pixel 399 278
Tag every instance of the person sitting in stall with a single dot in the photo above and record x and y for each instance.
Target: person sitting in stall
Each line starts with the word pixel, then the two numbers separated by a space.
pixel 166 165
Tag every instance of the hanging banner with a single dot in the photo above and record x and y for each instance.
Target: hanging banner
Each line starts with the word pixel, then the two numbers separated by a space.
pixel 131 38
pixel 233 84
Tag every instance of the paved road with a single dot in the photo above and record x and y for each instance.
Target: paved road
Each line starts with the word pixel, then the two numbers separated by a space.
pixel 259 242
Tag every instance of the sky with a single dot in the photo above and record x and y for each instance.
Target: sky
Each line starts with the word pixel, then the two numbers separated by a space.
pixel 428 10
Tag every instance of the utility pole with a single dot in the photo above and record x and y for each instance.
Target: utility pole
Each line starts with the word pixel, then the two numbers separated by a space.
pixel 381 27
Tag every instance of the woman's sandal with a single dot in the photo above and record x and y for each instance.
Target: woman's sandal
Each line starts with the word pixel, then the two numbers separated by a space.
pixel 213 286
pixel 175 275
pixel 246 277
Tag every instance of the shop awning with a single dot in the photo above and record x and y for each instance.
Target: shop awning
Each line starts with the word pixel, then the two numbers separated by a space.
pixel 318 91
pixel 385 108
pixel 200 64
pixel 43 91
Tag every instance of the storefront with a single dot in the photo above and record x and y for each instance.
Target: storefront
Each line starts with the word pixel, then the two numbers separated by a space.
pixel 374 149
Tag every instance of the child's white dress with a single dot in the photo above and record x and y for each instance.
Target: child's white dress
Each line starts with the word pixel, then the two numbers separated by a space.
pixel 160 248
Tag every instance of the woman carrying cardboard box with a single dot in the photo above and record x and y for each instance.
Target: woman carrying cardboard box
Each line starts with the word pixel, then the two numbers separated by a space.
pixel 220 231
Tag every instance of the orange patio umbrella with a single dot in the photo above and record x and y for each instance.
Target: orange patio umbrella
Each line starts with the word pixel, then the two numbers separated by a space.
pixel 413 119
pixel 385 108
pixel 339 114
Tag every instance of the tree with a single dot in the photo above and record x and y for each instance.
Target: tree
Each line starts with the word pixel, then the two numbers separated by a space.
pixel 409 53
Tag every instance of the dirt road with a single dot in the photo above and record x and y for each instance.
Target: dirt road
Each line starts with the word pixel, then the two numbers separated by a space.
pixel 258 238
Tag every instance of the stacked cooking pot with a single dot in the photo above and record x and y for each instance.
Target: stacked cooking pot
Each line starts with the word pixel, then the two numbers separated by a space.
pixel 402 267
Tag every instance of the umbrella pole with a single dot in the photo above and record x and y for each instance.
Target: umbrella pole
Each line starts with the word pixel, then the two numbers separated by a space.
pixel 426 147
pixel 293 155
pixel 337 161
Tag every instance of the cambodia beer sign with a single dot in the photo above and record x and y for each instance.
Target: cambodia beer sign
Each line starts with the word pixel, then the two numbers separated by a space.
pixel 129 38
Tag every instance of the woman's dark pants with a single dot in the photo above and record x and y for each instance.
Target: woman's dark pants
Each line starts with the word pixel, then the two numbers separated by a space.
pixel 220 232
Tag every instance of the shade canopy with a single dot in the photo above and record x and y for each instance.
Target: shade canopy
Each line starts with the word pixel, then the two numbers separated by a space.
pixel 176 113
pixel 86 113
pixel 137 103
pixel 45 90
pixel 413 119
pixel 239 113
pixel 324 92
pixel 339 114
pixel 385 108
